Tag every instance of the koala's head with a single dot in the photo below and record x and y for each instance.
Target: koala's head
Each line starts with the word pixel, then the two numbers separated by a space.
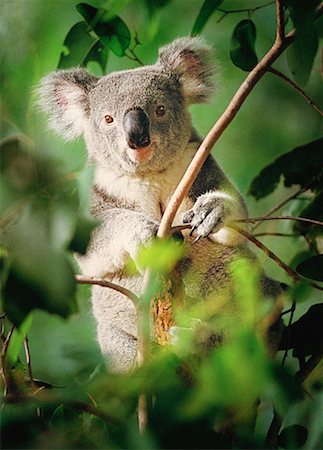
pixel 135 120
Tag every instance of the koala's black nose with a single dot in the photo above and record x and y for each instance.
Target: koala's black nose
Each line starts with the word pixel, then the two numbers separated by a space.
pixel 136 127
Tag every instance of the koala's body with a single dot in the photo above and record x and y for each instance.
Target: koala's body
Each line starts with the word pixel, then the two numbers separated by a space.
pixel 140 139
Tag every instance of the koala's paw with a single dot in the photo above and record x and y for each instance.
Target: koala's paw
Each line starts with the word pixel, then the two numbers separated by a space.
pixel 208 214
pixel 142 235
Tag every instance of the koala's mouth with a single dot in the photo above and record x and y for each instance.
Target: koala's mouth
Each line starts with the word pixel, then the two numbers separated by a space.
pixel 141 154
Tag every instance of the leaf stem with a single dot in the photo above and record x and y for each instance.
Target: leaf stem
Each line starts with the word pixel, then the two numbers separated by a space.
pixel 296 88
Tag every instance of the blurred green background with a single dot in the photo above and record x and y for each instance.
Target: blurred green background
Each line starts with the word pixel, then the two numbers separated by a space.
pixel 273 120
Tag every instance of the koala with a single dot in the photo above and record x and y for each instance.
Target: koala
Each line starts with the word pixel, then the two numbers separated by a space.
pixel 140 139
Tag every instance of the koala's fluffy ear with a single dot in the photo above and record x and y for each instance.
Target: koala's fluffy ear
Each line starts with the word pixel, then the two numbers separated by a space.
pixel 64 96
pixel 190 59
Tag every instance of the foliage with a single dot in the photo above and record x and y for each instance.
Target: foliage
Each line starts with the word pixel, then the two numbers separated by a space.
pixel 197 400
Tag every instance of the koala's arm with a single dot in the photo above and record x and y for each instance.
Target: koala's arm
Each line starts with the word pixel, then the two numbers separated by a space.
pixel 121 232
pixel 217 202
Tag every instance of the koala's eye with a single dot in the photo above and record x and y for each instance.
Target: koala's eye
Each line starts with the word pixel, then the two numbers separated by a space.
pixel 108 118
pixel 160 110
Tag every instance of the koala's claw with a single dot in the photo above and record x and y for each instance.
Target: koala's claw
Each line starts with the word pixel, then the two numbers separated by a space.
pixel 196 239
pixel 207 216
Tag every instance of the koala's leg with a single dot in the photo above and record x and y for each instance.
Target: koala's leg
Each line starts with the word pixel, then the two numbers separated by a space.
pixel 118 347
pixel 116 325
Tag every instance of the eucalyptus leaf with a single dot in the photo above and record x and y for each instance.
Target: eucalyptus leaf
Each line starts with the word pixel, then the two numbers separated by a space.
pixel 242 51
pixel 293 437
pixel 302 166
pixel 206 11
pixel 312 268
pixel 82 234
pixel 98 53
pixel 111 29
pixel 17 340
pixel 301 53
pixel 78 43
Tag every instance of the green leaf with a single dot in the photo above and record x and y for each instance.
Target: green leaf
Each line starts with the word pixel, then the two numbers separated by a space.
pixel 40 276
pixel 98 53
pixel 78 43
pixel 82 234
pixel 161 255
pixel 312 268
pixel 302 166
pixel 302 51
pixel 111 29
pixel 292 437
pixel 82 48
pixel 207 9
pixel 17 340
pixel 242 52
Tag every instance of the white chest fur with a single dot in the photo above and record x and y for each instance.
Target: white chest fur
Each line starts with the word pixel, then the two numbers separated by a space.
pixel 151 193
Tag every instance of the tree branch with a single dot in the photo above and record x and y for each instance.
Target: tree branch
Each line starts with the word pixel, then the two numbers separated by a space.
pixel 81 279
pixel 226 118
pixel 296 87
pixel 280 32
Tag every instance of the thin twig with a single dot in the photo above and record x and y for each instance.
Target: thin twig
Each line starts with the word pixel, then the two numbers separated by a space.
pixel 7 342
pixel 294 275
pixel 91 409
pixel 28 361
pixel 247 10
pixel 281 204
pixel 296 88
pixel 308 367
pixel 4 370
pixel 276 234
pixel 299 219
pixel 81 279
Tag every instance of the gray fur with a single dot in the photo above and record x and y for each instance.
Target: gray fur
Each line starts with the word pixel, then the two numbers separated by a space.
pixel 133 185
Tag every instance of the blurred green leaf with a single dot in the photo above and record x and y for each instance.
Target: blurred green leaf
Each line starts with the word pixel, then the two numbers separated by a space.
pixel 301 53
pixel 82 234
pixel 220 376
pixel 161 256
pixel 207 9
pixel 302 165
pixel 312 268
pixel 17 340
pixel 40 276
pixel 111 29
pixel 246 277
pixel 292 437
pixel 242 52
